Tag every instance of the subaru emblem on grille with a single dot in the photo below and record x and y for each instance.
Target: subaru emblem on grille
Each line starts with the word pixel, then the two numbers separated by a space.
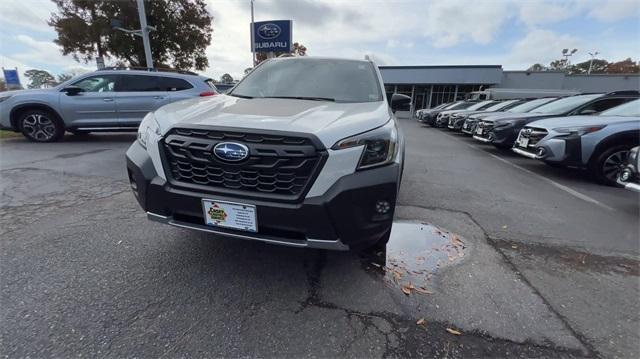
pixel 231 151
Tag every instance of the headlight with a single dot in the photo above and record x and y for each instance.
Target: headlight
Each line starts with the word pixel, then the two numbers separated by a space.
pixel 380 145
pixel 580 130
pixel 4 98
pixel 148 126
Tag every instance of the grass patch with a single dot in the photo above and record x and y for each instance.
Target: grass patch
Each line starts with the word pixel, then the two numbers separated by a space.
pixel 9 134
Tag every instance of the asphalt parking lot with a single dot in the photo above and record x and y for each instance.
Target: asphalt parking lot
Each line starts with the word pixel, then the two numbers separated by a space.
pixel 546 265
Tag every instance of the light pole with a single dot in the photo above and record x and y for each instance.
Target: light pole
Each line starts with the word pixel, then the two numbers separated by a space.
pixel 143 32
pixel 566 54
pixel 253 49
pixel 593 55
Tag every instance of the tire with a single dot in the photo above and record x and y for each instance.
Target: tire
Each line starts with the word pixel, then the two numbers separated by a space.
pixel 40 126
pixel 554 165
pixel 606 164
pixel 380 245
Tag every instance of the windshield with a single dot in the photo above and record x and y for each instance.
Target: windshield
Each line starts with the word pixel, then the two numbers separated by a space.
pixel 530 105
pixel 319 79
pixel 628 109
pixel 565 104
pixel 480 105
pixel 461 105
pixel 501 105
pixel 457 105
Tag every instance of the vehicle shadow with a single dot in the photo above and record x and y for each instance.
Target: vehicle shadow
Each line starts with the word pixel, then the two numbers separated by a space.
pixel 100 137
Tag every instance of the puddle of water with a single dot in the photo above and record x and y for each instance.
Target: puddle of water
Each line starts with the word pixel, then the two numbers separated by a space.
pixel 415 252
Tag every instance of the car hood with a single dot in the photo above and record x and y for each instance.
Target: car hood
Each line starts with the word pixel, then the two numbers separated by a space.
pixel 329 121
pixel 570 121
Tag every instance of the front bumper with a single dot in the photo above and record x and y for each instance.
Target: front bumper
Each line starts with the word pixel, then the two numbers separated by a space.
pixel 343 217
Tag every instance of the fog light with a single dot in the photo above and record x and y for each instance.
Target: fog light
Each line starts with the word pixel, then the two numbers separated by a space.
pixel 541 151
pixel 625 175
pixel 383 207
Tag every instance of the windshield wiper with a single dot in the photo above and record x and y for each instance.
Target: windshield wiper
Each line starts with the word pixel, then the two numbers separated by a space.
pixel 304 98
pixel 241 96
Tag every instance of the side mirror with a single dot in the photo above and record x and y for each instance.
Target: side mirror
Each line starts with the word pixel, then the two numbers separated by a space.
pixel 72 90
pixel 400 102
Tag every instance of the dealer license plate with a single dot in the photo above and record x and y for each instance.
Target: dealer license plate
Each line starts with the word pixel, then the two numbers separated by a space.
pixel 230 215
pixel 479 130
pixel 523 141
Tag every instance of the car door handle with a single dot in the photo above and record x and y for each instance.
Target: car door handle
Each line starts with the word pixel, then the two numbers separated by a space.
pixel 158 97
pixel 107 99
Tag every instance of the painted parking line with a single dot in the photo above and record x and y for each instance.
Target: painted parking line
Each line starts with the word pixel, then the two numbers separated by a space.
pixel 562 187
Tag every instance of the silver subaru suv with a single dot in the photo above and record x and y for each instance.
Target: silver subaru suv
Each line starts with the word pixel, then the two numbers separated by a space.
pixel 111 99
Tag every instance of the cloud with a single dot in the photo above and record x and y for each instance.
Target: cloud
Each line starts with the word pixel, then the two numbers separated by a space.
pixel 615 10
pixel 541 46
pixel 26 15
pixel 41 52
pixel 534 13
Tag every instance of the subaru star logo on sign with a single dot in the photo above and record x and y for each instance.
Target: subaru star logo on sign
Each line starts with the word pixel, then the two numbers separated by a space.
pixel 272 36
pixel 231 151
pixel 269 31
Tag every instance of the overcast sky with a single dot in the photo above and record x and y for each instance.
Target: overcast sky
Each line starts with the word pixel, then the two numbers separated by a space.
pixel 511 33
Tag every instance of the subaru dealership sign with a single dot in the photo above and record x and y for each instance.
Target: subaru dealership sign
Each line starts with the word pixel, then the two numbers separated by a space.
pixel 272 36
pixel 11 78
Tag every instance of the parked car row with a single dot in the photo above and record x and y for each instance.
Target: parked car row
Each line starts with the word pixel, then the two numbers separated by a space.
pixel 592 132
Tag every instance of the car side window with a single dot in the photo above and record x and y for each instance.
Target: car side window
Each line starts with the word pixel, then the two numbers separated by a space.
pixel 601 105
pixel 173 84
pixel 105 83
pixel 138 83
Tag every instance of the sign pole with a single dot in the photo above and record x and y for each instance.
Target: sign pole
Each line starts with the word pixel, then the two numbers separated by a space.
pixel 253 48
pixel 145 34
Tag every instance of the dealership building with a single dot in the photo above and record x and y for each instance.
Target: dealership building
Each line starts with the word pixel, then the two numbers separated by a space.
pixel 430 86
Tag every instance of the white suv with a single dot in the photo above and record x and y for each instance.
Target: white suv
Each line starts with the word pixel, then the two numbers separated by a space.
pixel 303 152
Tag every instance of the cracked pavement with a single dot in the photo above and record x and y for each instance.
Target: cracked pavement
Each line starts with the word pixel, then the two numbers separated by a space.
pixel 84 273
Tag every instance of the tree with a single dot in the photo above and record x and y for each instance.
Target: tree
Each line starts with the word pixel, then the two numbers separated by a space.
pixel 226 78
pixel 3 85
pixel 537 67
pixel 599 66
pixel 298 50
pixel 626 66
pixel 39 78
pixel 183 31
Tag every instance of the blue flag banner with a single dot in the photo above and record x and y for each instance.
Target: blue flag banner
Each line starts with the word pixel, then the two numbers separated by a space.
pixel 11 77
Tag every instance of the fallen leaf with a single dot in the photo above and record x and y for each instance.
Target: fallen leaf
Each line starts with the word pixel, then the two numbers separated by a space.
pixel 397 276
pixel 504 227
pixel 420 258
pixel 421 321
pixel 423 291
pixel 514 246
pixel 376 264
pixel 453 331
pixel 406 290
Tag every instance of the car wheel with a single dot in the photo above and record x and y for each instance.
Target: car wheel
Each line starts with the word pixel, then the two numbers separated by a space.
pixel 40 126
pixel 606 166
pixel 380 245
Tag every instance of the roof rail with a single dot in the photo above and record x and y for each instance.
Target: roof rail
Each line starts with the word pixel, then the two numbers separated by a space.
pixel 136 68
pixel 624 92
